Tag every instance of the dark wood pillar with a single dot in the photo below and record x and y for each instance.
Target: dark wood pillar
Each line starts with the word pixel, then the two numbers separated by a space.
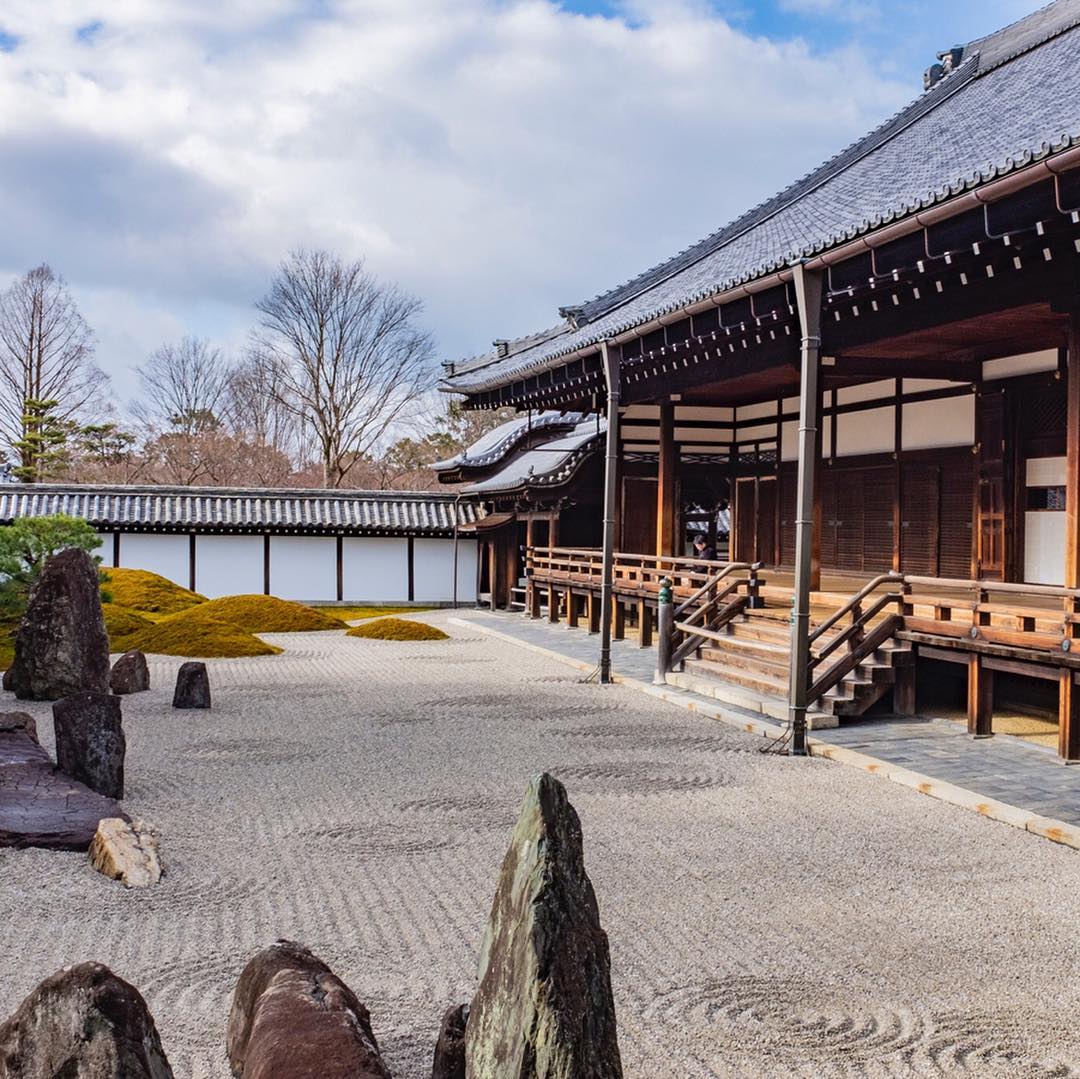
pixel 116 549
pixel 898 479
pixel 980 698
pixel 1072 473
pixel 809 291
pixel 493 572
pixel 904 690
pixel 666 501
pixel 266 565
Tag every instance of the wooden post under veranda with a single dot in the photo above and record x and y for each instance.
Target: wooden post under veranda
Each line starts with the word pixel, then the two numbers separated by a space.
pixel 610 354
pixel 809 291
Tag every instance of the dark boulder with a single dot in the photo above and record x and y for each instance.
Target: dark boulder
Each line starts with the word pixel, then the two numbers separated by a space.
pixel 90 743
pixel 544 1007
pixel 39 806
pixel 130 674
pixel 83 1022
pixel 293 1018
pixel 61 646
pixel 9 679
pixel 192 686
pixel 450 1048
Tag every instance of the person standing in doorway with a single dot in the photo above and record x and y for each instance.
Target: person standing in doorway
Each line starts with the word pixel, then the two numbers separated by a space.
pixel 702 549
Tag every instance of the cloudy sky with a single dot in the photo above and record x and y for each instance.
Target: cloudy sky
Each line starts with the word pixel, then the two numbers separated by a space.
pixel 496 158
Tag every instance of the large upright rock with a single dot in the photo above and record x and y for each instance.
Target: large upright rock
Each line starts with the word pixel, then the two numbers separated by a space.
pixel 61 646
pixel 83 1022
pixel 449 1062
pixel 293 1018
pixel 90 743
pixel 544 1008
pixel 130 674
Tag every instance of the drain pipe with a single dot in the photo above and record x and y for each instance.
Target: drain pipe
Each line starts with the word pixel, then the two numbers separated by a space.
pixel 610 354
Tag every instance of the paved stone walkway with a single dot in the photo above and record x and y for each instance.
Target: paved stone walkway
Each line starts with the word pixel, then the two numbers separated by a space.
pixel 1004 768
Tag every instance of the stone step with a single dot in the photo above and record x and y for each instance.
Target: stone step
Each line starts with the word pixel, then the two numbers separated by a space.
pixel 746 699
pixel 756 680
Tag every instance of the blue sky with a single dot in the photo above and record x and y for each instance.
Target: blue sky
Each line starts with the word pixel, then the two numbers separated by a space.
pixel 496 158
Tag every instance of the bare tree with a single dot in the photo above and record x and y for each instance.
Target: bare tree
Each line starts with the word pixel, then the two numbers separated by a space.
pixel 253 405
pixel 183 386
pixel 353 361
pixel 46 354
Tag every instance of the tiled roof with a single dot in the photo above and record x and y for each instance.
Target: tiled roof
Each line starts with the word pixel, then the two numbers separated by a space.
pixel 222 509
pixel 1014 99
pixel 497 443
pixel 546 464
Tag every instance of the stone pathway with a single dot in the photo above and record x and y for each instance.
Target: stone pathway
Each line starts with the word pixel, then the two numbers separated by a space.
pixel 1008 769
pixel 768 917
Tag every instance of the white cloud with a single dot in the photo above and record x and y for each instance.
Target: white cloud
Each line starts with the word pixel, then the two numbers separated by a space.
pixel 497 158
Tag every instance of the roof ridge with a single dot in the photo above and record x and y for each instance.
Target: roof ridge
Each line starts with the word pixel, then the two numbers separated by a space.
pixel 222 492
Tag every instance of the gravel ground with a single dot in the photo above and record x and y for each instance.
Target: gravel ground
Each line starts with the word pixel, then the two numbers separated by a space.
pixel 767 917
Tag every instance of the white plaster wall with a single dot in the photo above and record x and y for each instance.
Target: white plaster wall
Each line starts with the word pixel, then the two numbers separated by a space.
pixel 789 440
pixel 1027 364
pixel 375 568
pixel 642 434
pixel 228 565
pixel 641 412
pixel 105 551
pixel 757 432
pixel 167 555
pixel 303 567
pixel 433 570
pixel 936 424
pixel 918 385
pixel 868 431
pixel 761 410
pixel 1044 547
pixel 699 412
pixel 718 436
pixel 868 391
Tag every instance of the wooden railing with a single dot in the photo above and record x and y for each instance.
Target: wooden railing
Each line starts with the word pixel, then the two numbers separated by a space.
pixel 891 603
pixel 633 574
pixel 720 599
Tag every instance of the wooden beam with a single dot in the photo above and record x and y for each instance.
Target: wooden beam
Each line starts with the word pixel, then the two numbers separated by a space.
pixel 980 698
pixel 666 508
pixel 1072 470
pixel 1068 717
pixel 870 367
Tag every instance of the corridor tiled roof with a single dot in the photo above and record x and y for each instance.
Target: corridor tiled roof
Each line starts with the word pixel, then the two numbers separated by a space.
pixel 545 465
pixel 1014 98
pixel 497 443
pixel 223 509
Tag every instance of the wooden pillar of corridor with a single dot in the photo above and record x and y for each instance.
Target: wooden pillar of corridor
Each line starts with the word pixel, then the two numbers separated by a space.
pixel 1069 699
pixel 667 509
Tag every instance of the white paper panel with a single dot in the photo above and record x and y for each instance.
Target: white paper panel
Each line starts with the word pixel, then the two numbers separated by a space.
pixel 375 569
pixel 755 412
pixel 701 412
pixel 1044 547
pixel 934 424
pixel 168 556
pixel 228 565
pixel 1046 471
pixel 868 431
pixel 303 567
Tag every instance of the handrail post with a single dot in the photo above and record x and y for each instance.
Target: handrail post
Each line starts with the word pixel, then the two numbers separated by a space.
pixel 753 588
pixel 665 629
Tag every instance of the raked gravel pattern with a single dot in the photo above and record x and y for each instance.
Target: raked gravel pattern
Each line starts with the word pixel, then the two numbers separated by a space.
pixel 768 917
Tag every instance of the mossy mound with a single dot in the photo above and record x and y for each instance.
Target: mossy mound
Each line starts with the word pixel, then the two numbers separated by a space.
pixel 397 629
pixel 141 590
pixel 268 614
pixel 120 624
pixel 198 635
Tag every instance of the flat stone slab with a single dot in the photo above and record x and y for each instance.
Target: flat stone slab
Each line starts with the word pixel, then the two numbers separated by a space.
pixel 41 807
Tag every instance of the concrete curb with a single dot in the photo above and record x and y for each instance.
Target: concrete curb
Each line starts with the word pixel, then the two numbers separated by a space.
pixel 1056 831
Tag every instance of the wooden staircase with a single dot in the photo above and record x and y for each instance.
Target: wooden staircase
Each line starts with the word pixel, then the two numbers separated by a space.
pixel 755 654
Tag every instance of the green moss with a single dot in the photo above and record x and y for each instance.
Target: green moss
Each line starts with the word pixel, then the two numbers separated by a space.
pixel 121 624
pixel 141 590
pixel 268 614
pixel 198 635
pixel 398 629
pixel 354 614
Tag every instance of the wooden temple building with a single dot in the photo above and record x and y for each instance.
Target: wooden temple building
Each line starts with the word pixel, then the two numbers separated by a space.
pixel 879 370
